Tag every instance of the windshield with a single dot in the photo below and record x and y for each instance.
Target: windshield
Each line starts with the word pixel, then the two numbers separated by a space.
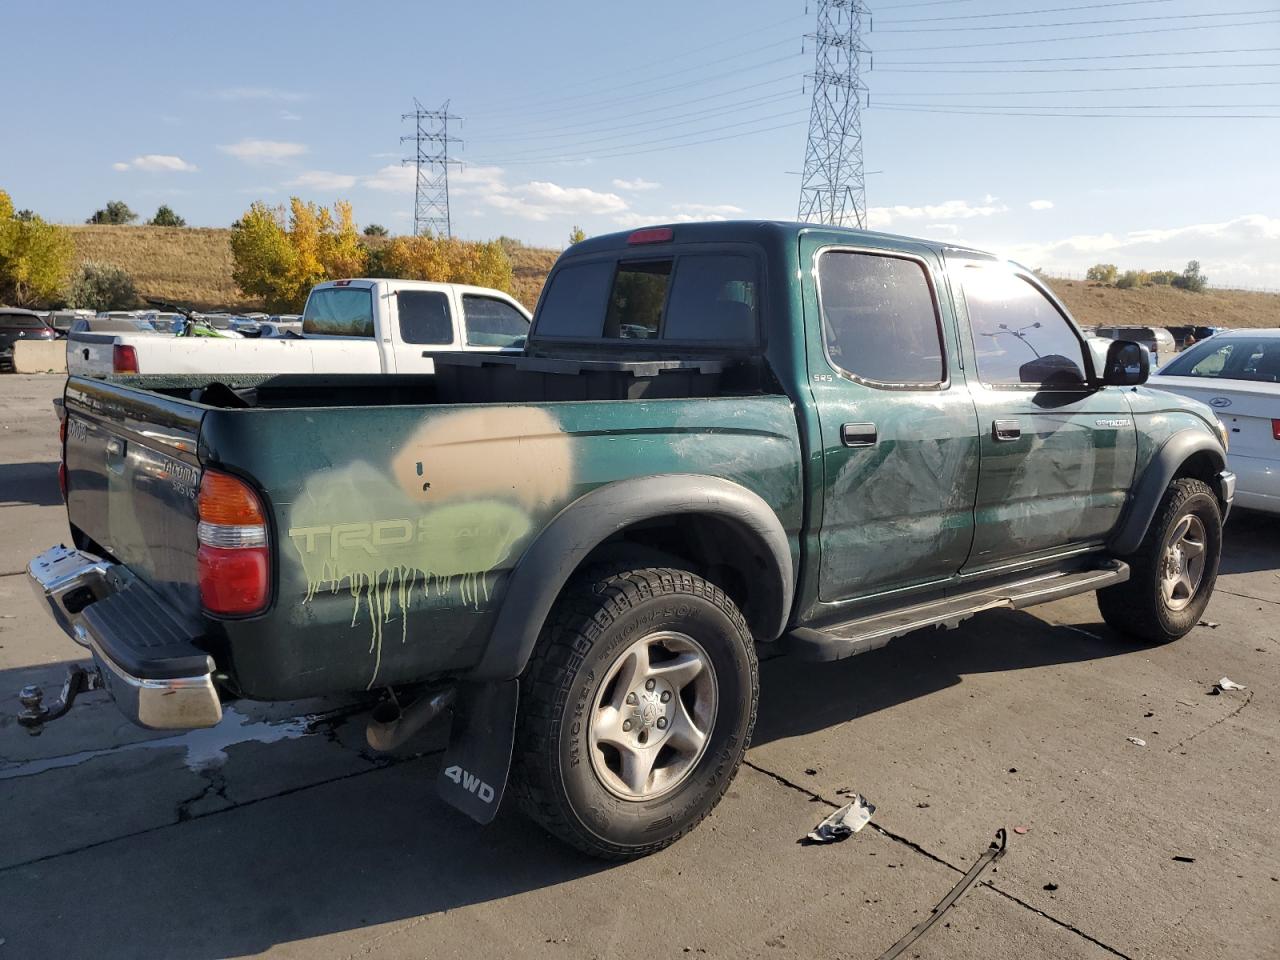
pixel 1237 358
pixel 339 312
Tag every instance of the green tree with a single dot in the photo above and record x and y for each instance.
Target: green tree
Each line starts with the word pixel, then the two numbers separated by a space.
pixel 376 230
pixel 117 211
pixel 35 257
pixel 165 217
pixel 25 214
pixel 102 286
pixel 1191 278
pixel 1133 278
pixel 1103 273
pixel 577 235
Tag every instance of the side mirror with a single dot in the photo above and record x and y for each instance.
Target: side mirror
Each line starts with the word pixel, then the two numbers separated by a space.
pixel 1119 363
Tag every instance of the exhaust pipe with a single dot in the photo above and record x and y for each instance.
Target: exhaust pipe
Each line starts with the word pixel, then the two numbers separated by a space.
pixel 390 725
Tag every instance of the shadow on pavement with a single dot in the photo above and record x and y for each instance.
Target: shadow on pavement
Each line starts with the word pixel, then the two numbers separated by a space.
pixel 35 483
pixel 1251 542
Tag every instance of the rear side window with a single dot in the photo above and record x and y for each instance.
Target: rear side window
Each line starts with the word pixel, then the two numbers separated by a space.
pixel 574 303
pixel 713 298
pixel 493 323
pixel 20 322
pixel 424 317
pixel 1019 336
pixel 1234 359
pixel 339 312
pixel 879 318
pixel 636 300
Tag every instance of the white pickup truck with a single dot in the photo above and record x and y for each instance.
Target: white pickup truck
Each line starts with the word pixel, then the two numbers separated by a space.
pixel 348 326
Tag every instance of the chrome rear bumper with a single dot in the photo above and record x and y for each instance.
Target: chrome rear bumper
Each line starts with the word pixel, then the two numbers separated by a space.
pixel 69 582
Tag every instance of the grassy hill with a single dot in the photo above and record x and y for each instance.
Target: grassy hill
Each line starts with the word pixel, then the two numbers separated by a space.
pixel 193 265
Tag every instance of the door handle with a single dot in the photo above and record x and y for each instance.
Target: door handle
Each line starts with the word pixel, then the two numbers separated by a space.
pixel 1006 429
pixel 858 434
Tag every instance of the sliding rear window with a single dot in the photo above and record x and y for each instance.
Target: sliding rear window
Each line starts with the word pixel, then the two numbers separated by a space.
pixel 690 298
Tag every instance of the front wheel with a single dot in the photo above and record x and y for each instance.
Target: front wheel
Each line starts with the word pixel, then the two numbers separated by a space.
pixel 636 710
pixel 1174 569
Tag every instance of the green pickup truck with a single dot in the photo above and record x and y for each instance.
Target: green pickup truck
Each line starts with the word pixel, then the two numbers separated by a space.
pixel 720 437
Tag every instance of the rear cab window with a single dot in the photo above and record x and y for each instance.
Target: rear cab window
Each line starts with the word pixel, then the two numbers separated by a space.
pixel 690 296
pixel 339 312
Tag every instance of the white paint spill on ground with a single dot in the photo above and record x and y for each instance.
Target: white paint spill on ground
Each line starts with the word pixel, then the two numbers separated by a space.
pixel 203 748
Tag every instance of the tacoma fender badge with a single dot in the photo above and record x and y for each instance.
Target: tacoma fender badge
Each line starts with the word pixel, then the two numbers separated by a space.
pixel 1113 424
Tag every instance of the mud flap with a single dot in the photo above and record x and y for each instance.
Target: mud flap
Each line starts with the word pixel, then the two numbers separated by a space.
pixel 474 773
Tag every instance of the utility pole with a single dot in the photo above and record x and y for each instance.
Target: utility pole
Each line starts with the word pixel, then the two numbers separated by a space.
pixel 431 158
pixel 832 185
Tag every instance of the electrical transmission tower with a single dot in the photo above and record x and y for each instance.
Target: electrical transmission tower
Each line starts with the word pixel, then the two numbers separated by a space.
pixel 431 158
pixel 832 186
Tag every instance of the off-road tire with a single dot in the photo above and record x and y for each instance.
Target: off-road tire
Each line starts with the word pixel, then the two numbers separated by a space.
pixel 594 623
pixel 1137 607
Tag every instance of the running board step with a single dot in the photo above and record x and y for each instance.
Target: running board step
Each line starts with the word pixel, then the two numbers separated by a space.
pixel 870 633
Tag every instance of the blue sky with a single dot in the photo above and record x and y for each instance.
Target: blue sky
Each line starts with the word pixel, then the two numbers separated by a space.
pixel 592 113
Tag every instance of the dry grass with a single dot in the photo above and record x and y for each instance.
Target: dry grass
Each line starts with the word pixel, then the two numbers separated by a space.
pixel 186 265
pixel 1093 305
pixel 193 266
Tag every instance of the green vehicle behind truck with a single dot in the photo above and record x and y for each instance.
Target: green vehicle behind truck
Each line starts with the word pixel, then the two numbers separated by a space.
pixel 719 437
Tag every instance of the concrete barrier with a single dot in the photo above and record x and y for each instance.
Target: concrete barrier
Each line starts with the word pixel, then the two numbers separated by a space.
pixel 40 356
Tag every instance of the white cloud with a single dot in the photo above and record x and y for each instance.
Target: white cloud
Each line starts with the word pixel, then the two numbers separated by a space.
pixel 323 180
pixel 636 219
pixel 478 180
pixel 392 178
pixel 157 163
pixel 943 229
pixel 384 156
pixel 290 115
pixel 258 93
pixel 541 200
pixel 1243 250
pixel 264 151
pixel 634 185
pixel 708 211
pixel 879 217
pixel 1041 204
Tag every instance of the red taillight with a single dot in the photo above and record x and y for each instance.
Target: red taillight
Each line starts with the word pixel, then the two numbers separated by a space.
pixel 234 559
pixel 651 235
pixel 124 359
pixel 1275 429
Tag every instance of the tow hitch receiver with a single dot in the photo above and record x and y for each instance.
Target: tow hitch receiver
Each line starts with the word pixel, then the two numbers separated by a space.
pixel 35 714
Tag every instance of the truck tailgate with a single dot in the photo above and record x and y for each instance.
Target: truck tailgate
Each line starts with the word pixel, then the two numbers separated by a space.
pixel 132 479
pixel 91 354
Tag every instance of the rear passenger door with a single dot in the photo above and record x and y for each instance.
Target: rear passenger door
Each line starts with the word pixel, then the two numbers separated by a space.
pixel 1058 455
pixel 898 431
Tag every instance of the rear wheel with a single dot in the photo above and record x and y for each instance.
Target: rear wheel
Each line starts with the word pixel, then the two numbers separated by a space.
pixel 636 710
pixel 1173 571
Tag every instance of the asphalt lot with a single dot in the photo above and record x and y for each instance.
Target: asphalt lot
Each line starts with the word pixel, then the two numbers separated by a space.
pixel 268 835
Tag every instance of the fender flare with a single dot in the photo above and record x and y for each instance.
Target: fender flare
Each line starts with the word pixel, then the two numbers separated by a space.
pixel 1155 480
pixel 547 563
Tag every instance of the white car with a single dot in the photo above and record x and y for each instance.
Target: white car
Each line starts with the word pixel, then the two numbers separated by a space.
pixel 1237 372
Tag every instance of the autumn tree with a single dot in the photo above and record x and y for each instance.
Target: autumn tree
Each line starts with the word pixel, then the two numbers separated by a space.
pixel 577 235
pixel 116 211
pixel 279 258
pixel 35 257
pixel 448 260
pixel 165 217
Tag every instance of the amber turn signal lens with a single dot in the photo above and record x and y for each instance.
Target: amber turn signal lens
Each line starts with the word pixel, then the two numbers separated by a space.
pixel 228 500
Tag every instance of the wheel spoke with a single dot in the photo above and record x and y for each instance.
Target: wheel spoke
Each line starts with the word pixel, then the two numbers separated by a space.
pixel 637 766
pixel 1192 548
pixel 679 671
pixel 607 727
pixel 1184 581
pixel 1181 529
pixel 630 673
pixel 1167 586
pixel 685 736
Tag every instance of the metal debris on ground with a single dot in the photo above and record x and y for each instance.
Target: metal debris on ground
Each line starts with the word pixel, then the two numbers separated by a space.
pixel 993 853
pixel 1137 741
pixel 1225 684
pixel 843 823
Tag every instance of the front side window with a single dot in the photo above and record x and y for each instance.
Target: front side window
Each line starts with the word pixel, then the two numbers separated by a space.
pixel 879 318
pixel 1019 336
pixel 493 323
pixel 424 317
pixel 337 312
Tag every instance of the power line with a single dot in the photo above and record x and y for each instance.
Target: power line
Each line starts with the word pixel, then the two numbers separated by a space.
pixel 1165 66
pixel 1110 56
pixel 1025 13
pixel 1107 106
pixel 1037 93
pixel 1085 36
pixel 1081 23
pixel 1088 116
pixel 431 159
